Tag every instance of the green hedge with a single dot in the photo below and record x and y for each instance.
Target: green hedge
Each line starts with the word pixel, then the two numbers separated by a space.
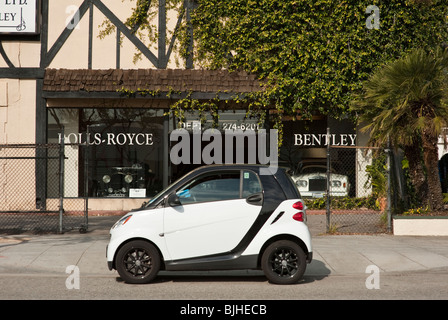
pixel 343 203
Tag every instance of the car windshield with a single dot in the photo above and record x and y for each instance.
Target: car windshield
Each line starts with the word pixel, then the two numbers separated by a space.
pixel 158 195
pixel 314 169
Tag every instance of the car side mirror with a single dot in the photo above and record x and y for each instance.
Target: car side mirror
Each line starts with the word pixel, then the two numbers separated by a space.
pixel 173 200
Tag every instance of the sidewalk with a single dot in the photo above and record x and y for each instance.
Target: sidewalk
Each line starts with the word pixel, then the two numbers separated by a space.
pixel 332 254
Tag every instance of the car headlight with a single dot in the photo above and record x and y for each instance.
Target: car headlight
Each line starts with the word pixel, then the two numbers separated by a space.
pixel 106 178
pixel 336 183
pixel 122 221
pixel 128 178
pixel 302 183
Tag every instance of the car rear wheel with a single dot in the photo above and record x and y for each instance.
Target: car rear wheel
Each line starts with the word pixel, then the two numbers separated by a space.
pixel 138 262
pixel 283 262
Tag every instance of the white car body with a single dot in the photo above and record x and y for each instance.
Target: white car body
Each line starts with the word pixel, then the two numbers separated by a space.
pixel 207 235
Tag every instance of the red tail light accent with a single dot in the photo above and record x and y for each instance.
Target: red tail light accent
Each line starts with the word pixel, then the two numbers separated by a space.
pixel 299 215
pixel 298 205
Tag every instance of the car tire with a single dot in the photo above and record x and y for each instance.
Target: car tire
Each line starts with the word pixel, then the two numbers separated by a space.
pixel 138 262
pixel 283 262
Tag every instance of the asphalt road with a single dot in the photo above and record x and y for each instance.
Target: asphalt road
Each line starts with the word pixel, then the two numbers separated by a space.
pixel 409 268
pixel 422 285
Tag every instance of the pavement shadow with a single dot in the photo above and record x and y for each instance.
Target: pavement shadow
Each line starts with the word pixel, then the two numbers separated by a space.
pixel 316 271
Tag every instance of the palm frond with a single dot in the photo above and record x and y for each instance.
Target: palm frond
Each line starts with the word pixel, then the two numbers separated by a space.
pixel 404 97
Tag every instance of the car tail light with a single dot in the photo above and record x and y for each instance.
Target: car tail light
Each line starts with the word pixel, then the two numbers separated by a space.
pixel 298 205
pixel 298 216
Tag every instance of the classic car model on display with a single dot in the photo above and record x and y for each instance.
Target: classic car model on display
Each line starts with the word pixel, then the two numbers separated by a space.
pixel 312 182
pixel 217 217
pixel 124 181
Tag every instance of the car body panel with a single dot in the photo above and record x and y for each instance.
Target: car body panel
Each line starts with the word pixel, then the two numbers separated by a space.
pixel 146 225
pixel 281 223
pixel 227 234
pixel 191 233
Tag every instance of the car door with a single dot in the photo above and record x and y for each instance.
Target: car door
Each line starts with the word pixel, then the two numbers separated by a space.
pixel 213 215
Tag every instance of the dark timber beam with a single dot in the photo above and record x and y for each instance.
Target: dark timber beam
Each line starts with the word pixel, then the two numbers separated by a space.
pixel 117 95
pixel 22 73
pixel 127 33
pixel 48 58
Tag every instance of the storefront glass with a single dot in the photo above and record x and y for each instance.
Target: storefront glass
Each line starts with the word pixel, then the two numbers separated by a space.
pixel 228 121
pixel 304 151
pixel 121 153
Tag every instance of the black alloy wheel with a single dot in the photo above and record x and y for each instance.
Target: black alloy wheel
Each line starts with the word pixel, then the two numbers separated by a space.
pixel 138 262
pixel 283 262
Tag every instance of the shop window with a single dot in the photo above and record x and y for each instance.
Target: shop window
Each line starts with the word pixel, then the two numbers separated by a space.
pixel 110 152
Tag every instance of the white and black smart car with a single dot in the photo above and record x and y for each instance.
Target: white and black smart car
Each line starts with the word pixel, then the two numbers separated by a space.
pixel 218 217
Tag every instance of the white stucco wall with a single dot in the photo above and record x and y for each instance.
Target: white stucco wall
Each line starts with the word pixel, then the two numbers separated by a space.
pixel 17 111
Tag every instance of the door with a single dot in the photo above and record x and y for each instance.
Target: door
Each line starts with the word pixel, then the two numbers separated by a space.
pixel 213 215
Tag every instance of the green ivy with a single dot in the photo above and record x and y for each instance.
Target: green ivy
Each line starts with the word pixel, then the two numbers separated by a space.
pixel 312 55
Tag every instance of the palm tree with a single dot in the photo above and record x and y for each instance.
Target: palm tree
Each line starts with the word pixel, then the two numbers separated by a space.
pixel 406 101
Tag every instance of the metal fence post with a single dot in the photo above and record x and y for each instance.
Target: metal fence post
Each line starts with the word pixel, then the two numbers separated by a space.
pixel 328 179
pixel 61 180
pixel 86 181
pixel 389 197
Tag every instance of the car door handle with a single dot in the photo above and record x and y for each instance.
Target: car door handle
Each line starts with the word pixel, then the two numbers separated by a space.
pixel 255 199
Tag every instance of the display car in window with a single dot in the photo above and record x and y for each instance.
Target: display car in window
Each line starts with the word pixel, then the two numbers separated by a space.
pixel 217 217
pixel 122 182
pixel 312 182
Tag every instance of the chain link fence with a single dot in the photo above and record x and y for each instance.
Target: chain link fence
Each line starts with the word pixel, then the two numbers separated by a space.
pixel 359 192
pixel 356 192
pixel 37 193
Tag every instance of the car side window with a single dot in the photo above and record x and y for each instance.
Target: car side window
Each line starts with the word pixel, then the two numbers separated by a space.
pixel 216 186
pixel 251 183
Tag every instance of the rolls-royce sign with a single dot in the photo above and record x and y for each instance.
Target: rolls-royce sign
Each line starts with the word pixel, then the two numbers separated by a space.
pixel 19 16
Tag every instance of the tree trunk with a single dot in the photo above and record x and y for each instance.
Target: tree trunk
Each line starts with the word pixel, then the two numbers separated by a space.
pixel 431 159
pixel 417 172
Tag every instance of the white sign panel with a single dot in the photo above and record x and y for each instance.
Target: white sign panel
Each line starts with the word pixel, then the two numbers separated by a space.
pixel 137 193
pixel 19 16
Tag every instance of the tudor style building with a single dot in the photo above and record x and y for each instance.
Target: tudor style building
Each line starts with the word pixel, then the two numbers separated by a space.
pixel 62 83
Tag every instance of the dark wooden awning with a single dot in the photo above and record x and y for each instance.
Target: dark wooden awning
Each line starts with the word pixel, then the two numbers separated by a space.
pixel 201 84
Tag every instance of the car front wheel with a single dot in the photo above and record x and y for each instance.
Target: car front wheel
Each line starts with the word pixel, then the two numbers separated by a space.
pixel 138 262
pixel 283 262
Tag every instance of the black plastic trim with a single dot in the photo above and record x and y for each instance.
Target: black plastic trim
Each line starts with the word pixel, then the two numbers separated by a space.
pixel 278 217
pixel 219 262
